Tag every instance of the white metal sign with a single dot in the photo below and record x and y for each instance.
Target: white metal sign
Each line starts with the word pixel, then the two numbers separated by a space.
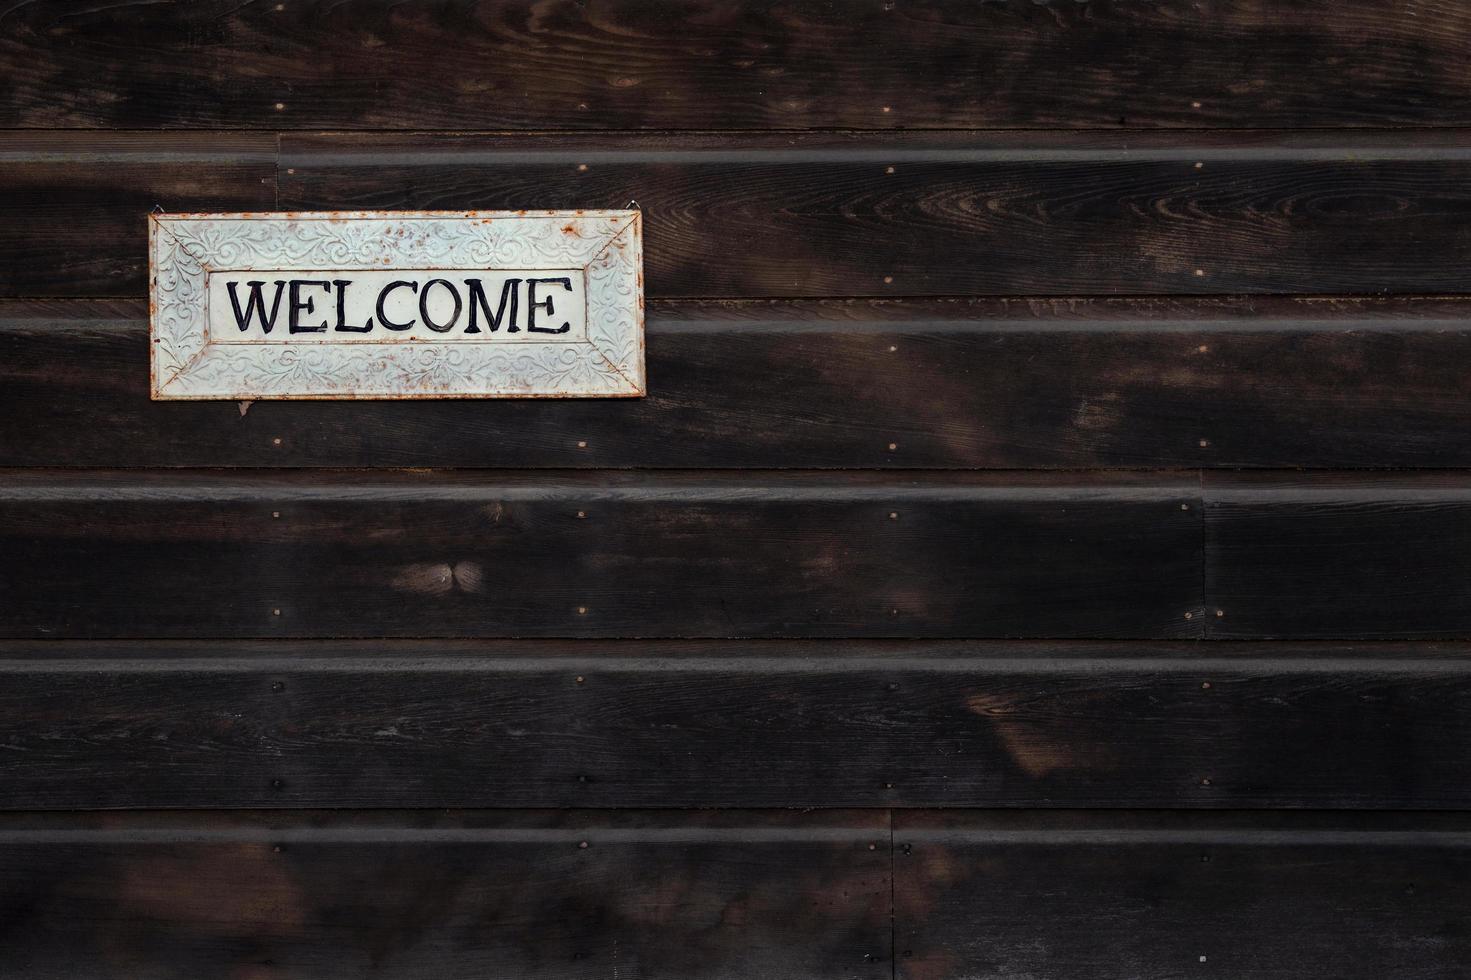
pixel 420 304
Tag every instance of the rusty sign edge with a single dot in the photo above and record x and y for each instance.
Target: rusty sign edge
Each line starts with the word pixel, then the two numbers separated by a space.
pixel 606 243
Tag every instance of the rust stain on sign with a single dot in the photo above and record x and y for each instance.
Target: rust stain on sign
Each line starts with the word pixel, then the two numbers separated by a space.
pixel 423 304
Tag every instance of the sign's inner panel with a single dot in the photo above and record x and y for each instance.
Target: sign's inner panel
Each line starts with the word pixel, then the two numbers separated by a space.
pixel 394 305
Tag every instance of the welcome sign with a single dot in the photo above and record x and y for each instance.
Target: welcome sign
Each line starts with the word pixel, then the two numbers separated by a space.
pixel 397 305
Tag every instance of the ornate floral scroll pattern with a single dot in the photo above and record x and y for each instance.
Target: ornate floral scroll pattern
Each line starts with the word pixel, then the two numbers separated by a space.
pixel 426 371
pixel 605 243
pixel 616 275
pixel 179 332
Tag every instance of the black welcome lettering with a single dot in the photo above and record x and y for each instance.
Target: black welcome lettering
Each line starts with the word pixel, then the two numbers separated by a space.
pixel 308 305
pixel 533 304
pixel 342 325
pixel 447 326
pixel 255 306
pixel 478 301
pixel 383 298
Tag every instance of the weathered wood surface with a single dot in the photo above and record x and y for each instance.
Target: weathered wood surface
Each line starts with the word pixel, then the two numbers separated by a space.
pixel 96 554
pixel 1380 555
pixel 755 893
pixel 514 64
pixel 962 213
pixel 272 554
pixel 834 214
pixel 560 896
pixel 73 207
pixel 888 243
pixel 732 724
pixel 954 384
pixel 1169 895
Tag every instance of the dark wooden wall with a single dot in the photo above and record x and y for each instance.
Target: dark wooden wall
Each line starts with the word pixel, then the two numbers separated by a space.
pixel 1044 552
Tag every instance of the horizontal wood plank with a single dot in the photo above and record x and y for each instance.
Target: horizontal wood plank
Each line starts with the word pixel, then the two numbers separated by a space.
pixel 207 554
pixel 722 554
pixel 1156 896
pixel 74 207
pixel 957 214
pixel 465 894
pixel 446 895
pixel 743 65
pixel 1341 555
pixel 834 214
pixel 1265 382
pixel 732 724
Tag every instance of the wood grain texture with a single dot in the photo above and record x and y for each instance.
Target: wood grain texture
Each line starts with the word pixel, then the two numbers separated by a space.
pixel 1169 895
pixel 835 214
pixel 732 724
pixel 612 64
pixel 1136 383
pixel 1343 555
pixel 73 207
pixel 201 554
pixel 421 894
pixel 820 214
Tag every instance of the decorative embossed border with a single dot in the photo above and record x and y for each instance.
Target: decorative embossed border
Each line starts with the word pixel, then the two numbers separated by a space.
pixel 608 245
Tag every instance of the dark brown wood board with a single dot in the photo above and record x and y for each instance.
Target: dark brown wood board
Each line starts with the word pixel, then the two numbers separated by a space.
pixel 1169 895
pixel 733 724
pixel 610 554
pixel 1374 555
pixel 1042 551
pixel 836 215
pixel 74 206
pixel 1061 383
pixel 957 213
pixel 431 894
pixel 868 64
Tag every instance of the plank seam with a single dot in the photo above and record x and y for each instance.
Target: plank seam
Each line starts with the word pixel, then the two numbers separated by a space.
pixel 900 300
pixel 611 133
pixel 1206 628
pixel 893 906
